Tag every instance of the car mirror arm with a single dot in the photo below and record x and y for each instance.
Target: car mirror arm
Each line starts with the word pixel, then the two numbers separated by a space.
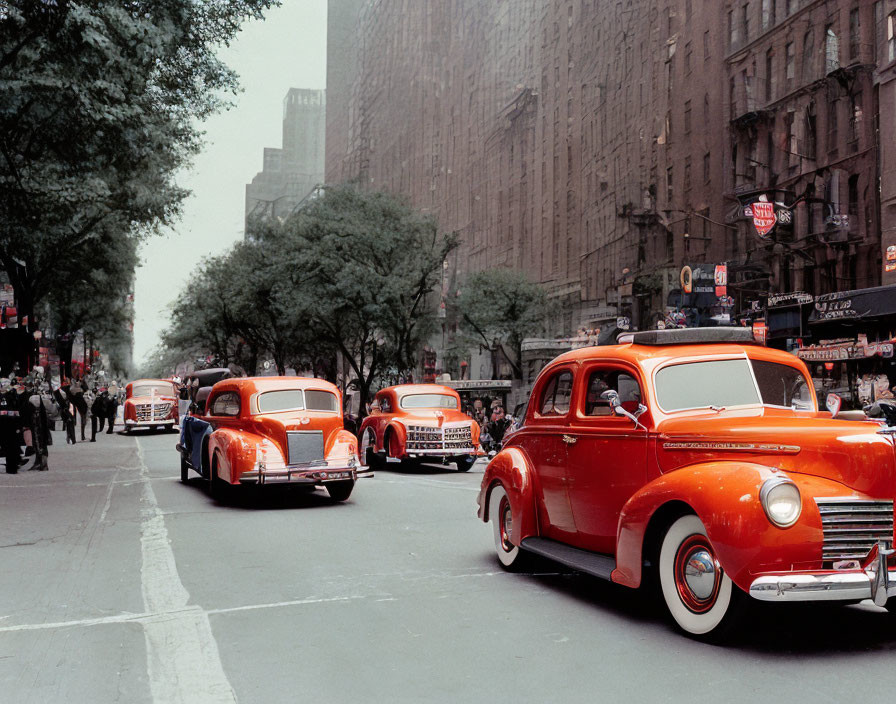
pixel 613 398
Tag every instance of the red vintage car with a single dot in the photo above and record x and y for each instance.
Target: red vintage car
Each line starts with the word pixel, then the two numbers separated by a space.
pixel 699 461
pixel 150 403
pixel 272 430
pixel 421 422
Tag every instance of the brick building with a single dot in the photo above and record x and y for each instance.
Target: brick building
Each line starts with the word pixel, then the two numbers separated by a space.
pixel 603 146
pixel 291 172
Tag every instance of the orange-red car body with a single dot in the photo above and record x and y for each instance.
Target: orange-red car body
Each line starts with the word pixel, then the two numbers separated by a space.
pixel 150 403
pixel 601 484
pixel 420 422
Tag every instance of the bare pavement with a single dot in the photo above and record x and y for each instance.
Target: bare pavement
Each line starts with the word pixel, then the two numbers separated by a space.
pixel 119 583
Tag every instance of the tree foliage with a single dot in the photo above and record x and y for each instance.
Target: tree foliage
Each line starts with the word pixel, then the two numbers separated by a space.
pixel 98 109
pixel 350 273
pixel 499 308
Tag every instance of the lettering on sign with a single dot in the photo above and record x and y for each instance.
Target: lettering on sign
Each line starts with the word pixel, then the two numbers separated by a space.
pixel 764 217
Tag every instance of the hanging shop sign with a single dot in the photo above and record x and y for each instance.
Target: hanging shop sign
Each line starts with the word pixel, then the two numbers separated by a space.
pixel 845 351
pixel 721 279
pixel 789 299
pixel 855 305
pixel 686 279
pixel 891 253
pixel 766 214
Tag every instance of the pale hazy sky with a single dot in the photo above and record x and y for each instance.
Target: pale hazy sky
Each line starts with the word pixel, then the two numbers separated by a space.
pixel 287 50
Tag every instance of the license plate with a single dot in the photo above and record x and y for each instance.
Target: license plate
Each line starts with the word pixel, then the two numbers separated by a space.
pixel 339 475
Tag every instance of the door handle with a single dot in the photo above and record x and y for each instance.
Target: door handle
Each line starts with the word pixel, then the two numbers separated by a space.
pixel 570 439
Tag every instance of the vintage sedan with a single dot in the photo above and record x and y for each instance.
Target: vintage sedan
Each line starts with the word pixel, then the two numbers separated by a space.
pixel 150 403
pixel 698 461
pixel 272 430
pixel 419 422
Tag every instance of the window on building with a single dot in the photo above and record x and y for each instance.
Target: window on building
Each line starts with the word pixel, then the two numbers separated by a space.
pixel 687 57
pixel 733 31
pixel 706 108
pixel 770 75
pixel 855 120
pixel 688 9
pixel 770 153
pixel 810 139
pixel 808 72
pixel 891 37
pixel 669 189
pixel 877 28
pixel 687 174
pixel 732 96
pixel 832 125
pixel 853 192
pixel 788 7
pixel 854 31
pixel 706 44
pixel 687 117
pixel 707 167
pixel 831 50
pixel 789 64
pixel 789 137
pixel 734 181
pixel 768 13
pixel 751 161
pixel 745 21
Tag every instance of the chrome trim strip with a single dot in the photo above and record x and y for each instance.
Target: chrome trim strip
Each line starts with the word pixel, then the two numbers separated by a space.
pixel 734 447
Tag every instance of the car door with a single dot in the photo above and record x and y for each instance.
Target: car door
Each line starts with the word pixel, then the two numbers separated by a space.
pixel 606 455
pixel 542 439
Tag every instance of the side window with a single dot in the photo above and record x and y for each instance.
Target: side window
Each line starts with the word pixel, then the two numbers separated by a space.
pixel 605 379
pixel 226 404
pixel 384 405
pixel 557 395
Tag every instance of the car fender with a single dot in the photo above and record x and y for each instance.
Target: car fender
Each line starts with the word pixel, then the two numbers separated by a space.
pixel 342 445
pixel 511 469
pixel 725 496
pixel 400 433
pixel 235 451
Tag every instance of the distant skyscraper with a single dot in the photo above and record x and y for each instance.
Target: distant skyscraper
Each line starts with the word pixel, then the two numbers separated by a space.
pixel 291 172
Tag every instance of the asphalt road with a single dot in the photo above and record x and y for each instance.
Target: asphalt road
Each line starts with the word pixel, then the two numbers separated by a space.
pixel 118 583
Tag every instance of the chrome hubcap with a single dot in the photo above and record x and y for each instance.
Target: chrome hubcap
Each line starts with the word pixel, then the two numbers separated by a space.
pixel 506 525
pixel 700 573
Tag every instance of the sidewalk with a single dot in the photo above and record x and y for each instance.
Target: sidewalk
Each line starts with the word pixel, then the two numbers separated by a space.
pixel 69 551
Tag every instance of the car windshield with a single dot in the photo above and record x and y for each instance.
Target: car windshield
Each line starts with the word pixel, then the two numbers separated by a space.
pixel 722 383
pixel 150 389
pixel 297 400
pixel 428 401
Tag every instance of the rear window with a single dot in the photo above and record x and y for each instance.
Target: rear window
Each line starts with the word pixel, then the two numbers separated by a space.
pixel 428 401
pixel 297 400
pixel 226 404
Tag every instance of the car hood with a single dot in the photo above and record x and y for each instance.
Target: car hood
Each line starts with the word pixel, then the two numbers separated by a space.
pixel 852 453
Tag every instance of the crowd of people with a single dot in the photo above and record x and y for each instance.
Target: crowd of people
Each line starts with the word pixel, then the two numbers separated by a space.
pixel 493 422
pixel 30 407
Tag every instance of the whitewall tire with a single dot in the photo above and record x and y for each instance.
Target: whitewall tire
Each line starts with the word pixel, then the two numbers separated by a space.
pixel 511 556
pixel 700 596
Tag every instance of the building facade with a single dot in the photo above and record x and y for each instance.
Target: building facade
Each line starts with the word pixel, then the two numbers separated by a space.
pixel 292 171
pixel 602 147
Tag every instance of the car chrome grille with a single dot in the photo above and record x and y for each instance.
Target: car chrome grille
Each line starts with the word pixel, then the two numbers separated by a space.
pixel 853 527
pixel 147 412
pixel 304 446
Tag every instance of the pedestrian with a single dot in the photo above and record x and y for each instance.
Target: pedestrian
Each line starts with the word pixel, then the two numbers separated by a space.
pixel 34 416
pixel 111 407
pixel 10 427
pixel 76 391
pixel 98 412
pixel 66 413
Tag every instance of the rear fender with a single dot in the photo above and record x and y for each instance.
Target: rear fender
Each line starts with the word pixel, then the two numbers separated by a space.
pixel 511 470
pixel 236 452
pixel 397 431
pixel 725 496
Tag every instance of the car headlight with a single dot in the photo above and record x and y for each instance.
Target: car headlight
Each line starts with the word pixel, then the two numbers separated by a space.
pixel 781 501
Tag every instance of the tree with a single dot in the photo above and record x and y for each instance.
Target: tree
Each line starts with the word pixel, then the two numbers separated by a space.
pixel 358 268
pixel 499 308
pixel 98 110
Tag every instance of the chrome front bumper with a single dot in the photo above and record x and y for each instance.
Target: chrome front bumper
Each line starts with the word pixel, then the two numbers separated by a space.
pixel 445 452
pixel 875 581
pixel 304 475
pixel 147 423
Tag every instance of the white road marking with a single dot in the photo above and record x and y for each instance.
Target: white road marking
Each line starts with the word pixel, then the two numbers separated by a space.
pixel 280 604
pixel 108 497
pixel 427 482
pixel 183 662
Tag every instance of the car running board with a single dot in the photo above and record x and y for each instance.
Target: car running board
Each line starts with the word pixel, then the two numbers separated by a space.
pixel 582 560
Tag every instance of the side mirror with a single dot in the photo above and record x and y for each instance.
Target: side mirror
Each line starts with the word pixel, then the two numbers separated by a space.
pixel 612 397
pixel 833 403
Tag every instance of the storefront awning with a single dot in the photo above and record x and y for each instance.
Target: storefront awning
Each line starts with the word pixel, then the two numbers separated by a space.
pixel 861 305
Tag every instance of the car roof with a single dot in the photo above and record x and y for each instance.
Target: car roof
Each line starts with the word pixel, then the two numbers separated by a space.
pixel 653 355
pixel 406 389
pixel 258 384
